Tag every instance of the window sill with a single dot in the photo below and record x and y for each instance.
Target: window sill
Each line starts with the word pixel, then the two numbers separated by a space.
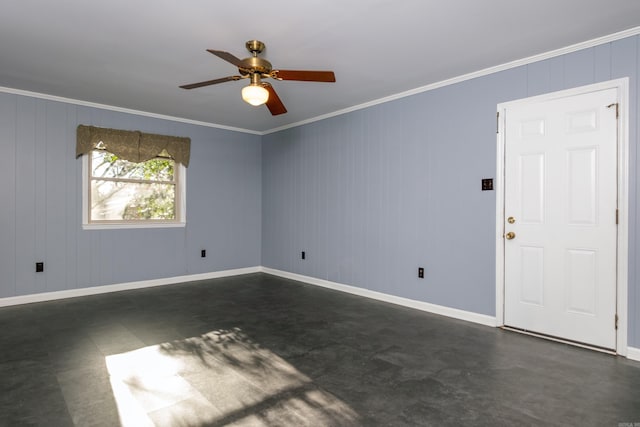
pixel 129 225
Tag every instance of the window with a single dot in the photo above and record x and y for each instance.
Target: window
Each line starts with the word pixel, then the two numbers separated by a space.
pixel 122 191
pixel 127 194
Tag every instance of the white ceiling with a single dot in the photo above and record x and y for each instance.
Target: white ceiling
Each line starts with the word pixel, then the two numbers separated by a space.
pixel 134 53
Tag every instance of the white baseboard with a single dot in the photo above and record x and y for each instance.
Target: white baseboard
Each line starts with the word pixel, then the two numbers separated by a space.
pixel 95 290
pixel 419 305
pixel 633 353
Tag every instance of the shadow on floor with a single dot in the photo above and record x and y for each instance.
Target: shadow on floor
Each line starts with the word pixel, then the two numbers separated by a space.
pixel 257 350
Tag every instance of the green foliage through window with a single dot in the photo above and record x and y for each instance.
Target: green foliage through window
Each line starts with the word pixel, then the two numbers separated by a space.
pixel 127 191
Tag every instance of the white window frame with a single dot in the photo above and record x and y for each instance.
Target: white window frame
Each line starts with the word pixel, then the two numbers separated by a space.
pixel 181 203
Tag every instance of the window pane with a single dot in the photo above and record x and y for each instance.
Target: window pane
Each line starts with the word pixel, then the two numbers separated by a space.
pixel 117 201
pixel 107 165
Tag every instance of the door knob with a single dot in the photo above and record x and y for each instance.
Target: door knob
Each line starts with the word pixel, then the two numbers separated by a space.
pixel 511 220
pixel 510 235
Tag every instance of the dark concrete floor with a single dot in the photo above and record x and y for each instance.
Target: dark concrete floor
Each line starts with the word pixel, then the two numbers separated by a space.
pixel 259 350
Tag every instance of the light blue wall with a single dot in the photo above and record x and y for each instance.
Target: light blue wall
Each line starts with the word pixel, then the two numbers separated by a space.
pixel 41 214
pixel 370 195
pixel 376 193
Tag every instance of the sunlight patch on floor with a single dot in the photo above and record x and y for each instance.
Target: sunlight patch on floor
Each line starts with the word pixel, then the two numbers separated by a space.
pixel 220 378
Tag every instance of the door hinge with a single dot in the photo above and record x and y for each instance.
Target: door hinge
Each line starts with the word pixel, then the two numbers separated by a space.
pixel 498 122
pixel 617 108
pixel 616 321
pixel 617 217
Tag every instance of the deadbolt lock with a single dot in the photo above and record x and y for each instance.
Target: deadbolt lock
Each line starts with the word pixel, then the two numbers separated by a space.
pixel 511 220
pixel 510 235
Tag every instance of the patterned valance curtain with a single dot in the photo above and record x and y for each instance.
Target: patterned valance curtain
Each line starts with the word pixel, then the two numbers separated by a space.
pixel 133 146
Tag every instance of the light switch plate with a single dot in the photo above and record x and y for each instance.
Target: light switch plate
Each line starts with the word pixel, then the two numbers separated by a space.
pixel 487 184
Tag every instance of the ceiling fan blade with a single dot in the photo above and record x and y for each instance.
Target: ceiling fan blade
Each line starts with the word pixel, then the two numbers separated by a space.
pixel 226 56
pixel 211 82
pixel 274 103
pixel 305 76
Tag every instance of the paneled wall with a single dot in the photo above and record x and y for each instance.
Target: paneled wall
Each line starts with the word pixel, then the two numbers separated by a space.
pixel 41 213
pixel 372 195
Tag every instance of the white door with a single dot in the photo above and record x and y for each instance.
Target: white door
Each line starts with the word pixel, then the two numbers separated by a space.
pixel 560 204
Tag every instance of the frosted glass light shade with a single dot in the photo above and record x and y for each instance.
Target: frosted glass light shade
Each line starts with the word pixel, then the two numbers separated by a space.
pixel 255 95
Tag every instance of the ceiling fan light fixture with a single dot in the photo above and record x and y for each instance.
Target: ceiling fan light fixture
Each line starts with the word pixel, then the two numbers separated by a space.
pixel 256 68
pixel 255 94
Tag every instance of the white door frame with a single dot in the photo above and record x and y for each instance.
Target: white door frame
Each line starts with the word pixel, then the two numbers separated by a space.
pixel 622 86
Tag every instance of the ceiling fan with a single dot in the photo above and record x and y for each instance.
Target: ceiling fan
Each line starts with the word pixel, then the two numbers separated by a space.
pixel 256 69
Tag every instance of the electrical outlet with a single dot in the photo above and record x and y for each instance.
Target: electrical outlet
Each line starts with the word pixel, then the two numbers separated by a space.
pixel 420 273
pixel 39 267
pixel 203 253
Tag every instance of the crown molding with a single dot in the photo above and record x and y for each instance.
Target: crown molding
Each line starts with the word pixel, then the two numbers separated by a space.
pixel 122 110
pixel 484 72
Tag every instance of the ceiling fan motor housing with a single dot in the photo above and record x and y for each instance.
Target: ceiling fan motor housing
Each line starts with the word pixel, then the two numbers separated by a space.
pixel 255 65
